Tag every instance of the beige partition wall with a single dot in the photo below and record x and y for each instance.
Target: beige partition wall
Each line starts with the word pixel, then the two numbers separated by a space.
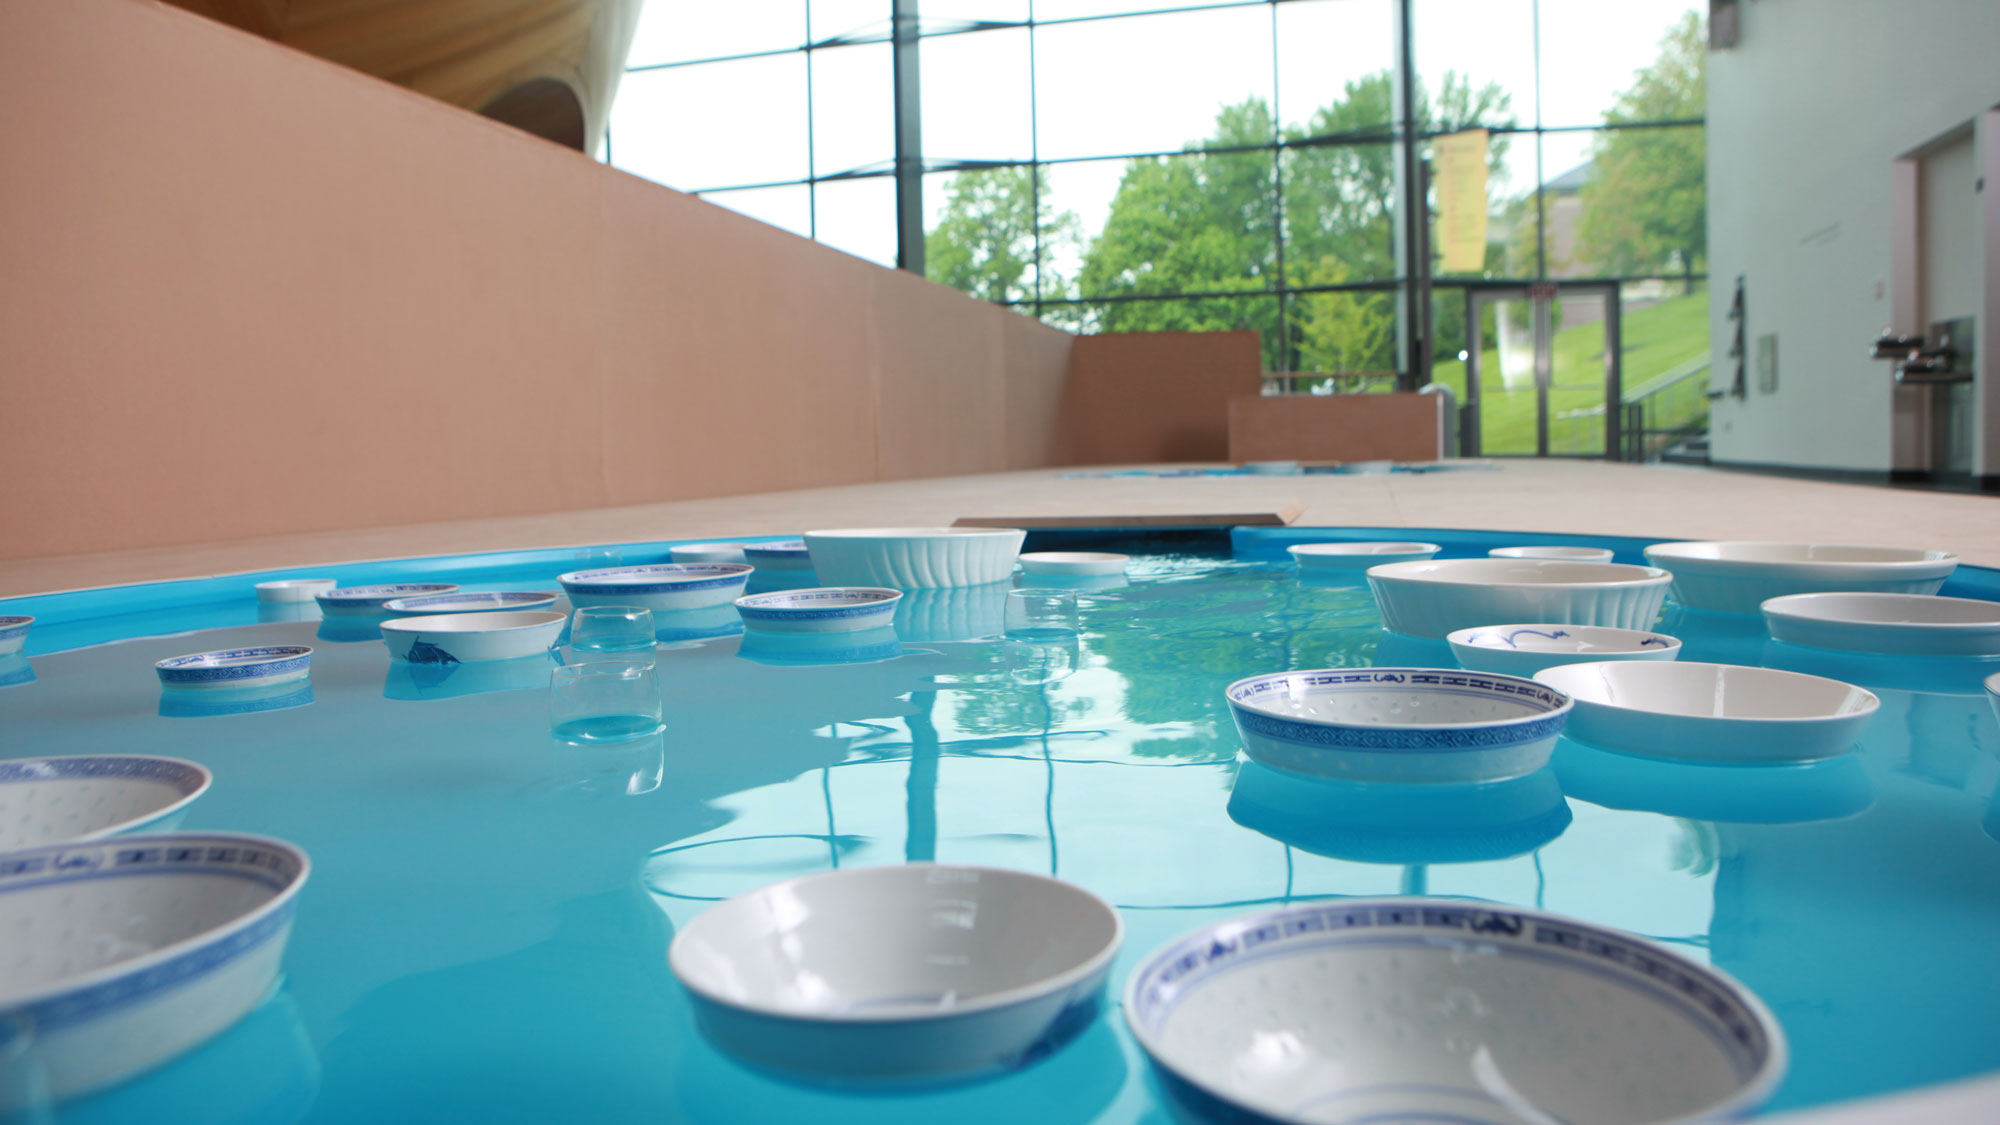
pixel 247 292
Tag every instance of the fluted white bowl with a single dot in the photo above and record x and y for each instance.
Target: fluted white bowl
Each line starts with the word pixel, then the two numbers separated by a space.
pixel 126 952
pixel 1738 577
pixel 1443 1010
pixel 1441 596
pixel 1712 712
pixel 88 796
pixel 914 557
pixel 912 972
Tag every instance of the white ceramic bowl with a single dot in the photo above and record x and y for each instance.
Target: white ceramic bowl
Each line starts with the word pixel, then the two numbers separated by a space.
pixel 127 952
pixel 1571 554
pixel 906 557
pixel 886 974
pixel 820 609
pixel 706 552
pixel 433 604
pixel 236 668
pixel 1993 694
pixel 1397 724
pixel 1443 1010
pixel 1904 624
pixel 288 590
pixel 13 632
pixel 1737 577
pixel 84 797
pixel 1357 556
pixel 1712 712
pixel 468 638
pixel 1523 650
pixel 1442 596
pixel 1074 564
pixel 665 586
pixel 784 554
pixel 367 601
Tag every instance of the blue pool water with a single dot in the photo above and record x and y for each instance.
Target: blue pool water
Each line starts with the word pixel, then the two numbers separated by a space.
pixel 484 934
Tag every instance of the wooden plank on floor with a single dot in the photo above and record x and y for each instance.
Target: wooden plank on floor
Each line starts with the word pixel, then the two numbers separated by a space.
pixel 1279 516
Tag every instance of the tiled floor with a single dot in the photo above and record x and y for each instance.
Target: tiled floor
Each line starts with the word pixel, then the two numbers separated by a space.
pixel 1670 502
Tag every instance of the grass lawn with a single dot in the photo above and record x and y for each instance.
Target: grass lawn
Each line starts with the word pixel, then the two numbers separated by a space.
pixel 1657 339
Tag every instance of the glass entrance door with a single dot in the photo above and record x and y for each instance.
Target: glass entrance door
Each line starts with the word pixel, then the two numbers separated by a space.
pixel 1542 371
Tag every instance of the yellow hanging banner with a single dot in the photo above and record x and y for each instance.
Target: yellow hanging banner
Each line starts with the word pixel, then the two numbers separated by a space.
pixel 1458 162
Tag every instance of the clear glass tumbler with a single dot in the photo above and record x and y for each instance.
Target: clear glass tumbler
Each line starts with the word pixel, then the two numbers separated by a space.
pixel 604 701
pixel 612 628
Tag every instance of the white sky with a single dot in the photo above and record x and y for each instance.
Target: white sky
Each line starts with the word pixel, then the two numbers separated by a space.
pixel 1144 83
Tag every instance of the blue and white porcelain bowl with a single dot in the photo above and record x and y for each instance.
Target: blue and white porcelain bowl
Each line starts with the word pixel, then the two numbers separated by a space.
pixel 186 931
pixel 469 638
pixel 13 632
pixel 1523 650
pixel 235 668
pixel 1739 576
pixel 821 609
pixel 1398 724
pixel 287 591
pixel 1441 1010
pixel 914 557
pixel 915 973
pixel 663 586
pixel 785 554
pixel 1441 596
pixel 369 601
pixel 83 797
pixel 433 604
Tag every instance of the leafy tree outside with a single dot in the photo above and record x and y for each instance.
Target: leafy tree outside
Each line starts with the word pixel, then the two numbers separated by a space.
pixel 1645 209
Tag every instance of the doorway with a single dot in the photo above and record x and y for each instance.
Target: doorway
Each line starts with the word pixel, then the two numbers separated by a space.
pixel 1548 384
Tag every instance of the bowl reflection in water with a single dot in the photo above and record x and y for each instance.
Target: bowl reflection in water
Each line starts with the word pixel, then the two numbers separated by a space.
pixel 1778 793
pixel 1405 824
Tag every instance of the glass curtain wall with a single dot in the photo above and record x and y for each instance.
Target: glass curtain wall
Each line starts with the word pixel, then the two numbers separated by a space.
pixel 1133 165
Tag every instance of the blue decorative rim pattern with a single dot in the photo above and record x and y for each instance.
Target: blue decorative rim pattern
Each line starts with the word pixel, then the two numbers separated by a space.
pixel 14 625
pixel 784 549
pixel 184 776
pixel 1739 1026
pixel 271 864
pixel 504 600
pixel 1553 705
pixel 362 594
pixel 245 664
pixel 663 578
pixel 849 602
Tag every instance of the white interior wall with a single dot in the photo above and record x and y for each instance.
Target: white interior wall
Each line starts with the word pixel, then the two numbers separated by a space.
pixel 1805 117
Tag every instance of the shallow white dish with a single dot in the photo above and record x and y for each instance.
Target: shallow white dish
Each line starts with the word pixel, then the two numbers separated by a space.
pixel 287 590
pixel 467 638
pixel 916 972
pixel 232 668
pixel 1572 554
pixel 785 554
pixel 1357 556
pixel 127 952
pixel 1074 564
pixel 1993 694
pixel 1523 650
pixel 706 552
pixel 662 587
pixel 820 609
pixel 1397 724
pixel 14 632
pixel 83 797
pixel 1441 1010
pixel 1905 624
pixel 359 601
pixel 433 604
pixel 1441 596
pixel 1737 577
pixel 1712 712
pixel 909 557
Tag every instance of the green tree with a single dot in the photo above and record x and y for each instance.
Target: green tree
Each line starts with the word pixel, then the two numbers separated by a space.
pixel 1645 208
pixel 984 241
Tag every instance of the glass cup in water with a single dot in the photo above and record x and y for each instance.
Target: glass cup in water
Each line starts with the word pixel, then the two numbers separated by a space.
pixel 604 701
pixel 612 628
pixel 1041 615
